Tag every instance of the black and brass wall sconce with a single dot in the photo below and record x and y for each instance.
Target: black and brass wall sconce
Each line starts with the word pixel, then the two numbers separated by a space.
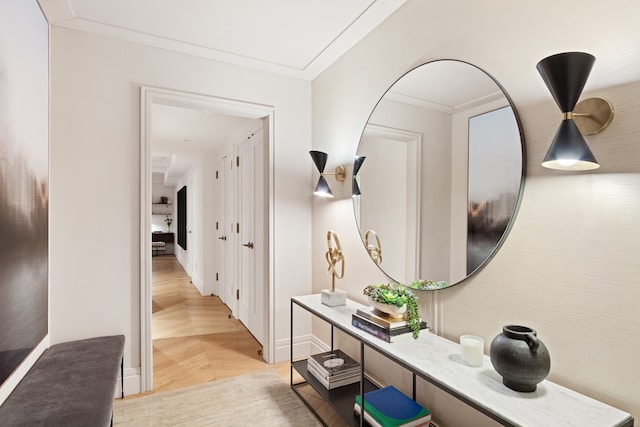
pixel 355 188
pixel 320 160
pixel 565 75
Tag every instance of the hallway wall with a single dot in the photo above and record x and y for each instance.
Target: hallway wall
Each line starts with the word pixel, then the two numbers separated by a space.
pixel 569 267
pixel 95 179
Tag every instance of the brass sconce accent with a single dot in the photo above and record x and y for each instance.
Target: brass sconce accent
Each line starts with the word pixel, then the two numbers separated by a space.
pixel 322 188
pixel 334 256
pixel 565 75
pixel 374 250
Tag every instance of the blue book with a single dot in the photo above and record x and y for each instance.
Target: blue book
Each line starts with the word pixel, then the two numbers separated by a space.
pixel 389 407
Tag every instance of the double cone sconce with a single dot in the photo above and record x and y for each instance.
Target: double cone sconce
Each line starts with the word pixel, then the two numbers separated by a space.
pixel 565 75
pixel 320 160
pixel 355 188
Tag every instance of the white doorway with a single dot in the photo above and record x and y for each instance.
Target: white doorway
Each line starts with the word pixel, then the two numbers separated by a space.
pixel 151 97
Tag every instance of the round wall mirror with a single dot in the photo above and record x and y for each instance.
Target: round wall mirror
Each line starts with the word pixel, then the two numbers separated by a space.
pixel 439 176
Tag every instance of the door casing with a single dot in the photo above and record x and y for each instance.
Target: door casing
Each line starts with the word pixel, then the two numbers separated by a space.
pixel 149 97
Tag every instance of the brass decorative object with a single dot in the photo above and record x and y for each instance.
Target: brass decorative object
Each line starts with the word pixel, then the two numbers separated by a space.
pixel 375 250
pixel 334 256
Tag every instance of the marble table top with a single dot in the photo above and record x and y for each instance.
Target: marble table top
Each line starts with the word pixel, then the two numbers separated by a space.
pixel 437 360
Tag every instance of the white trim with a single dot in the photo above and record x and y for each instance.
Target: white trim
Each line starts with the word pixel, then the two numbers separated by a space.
pixel 303 346
pixel 19 373
pixel 270 356
pixel 61 14
pixel 132 384
pixel 146 351
pixel 153 95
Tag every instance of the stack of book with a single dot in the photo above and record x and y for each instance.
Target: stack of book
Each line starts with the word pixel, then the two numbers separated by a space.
pixel 389 407
pixel 333 369
pixel 381 324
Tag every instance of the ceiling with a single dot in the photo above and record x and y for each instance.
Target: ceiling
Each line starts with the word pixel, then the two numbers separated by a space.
pixel 429 86
pixel 294 38
pixel 180 135
pixel 290 37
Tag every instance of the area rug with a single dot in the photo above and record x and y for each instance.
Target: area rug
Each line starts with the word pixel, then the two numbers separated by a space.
pixel 259 398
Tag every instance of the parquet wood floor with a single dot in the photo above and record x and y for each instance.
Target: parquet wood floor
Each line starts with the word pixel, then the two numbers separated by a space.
pixel 196 340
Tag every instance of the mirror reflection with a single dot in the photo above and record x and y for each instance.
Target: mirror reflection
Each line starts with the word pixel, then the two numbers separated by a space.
pixel 443 174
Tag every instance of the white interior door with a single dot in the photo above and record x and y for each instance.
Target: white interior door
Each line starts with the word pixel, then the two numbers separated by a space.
pixel 221 235
pixel 227 230
pixel 252 214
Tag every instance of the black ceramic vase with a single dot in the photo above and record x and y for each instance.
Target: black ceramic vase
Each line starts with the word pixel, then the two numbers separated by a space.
pixel 520 357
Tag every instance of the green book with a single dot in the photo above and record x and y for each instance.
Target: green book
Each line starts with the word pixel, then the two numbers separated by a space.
pixel 389 407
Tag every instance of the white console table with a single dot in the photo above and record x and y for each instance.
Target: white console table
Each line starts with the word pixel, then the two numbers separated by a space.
pixel 437 360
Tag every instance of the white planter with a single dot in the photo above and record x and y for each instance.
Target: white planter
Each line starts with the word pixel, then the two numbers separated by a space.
pixel 390 309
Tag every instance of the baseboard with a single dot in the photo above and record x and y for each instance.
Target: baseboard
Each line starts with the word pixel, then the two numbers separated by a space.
pixel 303 346
pixel 132 384
pixel 197 282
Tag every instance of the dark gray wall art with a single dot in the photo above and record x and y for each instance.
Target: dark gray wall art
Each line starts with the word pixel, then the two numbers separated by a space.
pixel 24 181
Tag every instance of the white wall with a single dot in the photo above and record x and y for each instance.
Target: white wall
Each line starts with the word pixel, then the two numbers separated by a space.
pixel 199 259
pixel 189 257
pixel 570 265
pixel 95 178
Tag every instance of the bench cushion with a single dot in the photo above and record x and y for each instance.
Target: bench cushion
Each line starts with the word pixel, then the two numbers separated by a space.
pixel 71 384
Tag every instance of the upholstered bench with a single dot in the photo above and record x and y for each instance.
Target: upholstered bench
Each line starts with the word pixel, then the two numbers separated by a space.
pixel 71 384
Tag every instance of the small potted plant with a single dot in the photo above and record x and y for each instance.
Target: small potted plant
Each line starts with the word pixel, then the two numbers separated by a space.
pixel 396 300
pixel 168 220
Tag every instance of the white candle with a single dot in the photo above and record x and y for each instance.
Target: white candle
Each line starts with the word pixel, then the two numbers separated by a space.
pixel 472 350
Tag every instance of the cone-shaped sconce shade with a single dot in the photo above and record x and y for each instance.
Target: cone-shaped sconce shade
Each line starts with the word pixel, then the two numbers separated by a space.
pixel 565 74
pixel 322 189
pixel 355 188
pixel 569 150
pixel 320 159
pixel 357 163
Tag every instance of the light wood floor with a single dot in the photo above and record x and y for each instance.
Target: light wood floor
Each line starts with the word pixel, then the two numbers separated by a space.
pixel 196 340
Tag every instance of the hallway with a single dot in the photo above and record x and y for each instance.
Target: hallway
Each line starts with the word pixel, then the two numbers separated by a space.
pixel 195 340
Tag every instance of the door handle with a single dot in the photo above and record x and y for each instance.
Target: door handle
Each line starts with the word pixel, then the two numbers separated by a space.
pixel 248 245
pixel 222 238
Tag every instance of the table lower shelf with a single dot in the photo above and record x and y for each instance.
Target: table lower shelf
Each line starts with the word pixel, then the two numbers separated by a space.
pixel 341 399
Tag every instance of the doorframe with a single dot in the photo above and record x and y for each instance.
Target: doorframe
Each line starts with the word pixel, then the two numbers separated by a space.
pixel 153 95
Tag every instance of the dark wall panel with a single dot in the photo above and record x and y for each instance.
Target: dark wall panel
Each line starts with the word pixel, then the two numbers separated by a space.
pixel 182 217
